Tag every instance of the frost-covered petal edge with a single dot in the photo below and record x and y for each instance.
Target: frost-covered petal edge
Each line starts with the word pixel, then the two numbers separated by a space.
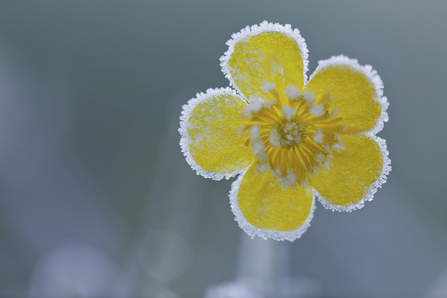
pixel 370 73
pixel 185 139
pixel 265 26
pixel 252 231
pixel 386 168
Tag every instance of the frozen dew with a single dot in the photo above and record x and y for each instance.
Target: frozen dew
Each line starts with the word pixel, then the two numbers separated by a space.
pixel 317 110
pixel 292 91
pixel 267 86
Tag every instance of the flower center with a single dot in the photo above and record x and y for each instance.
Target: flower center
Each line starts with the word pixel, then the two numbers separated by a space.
pixel 291 133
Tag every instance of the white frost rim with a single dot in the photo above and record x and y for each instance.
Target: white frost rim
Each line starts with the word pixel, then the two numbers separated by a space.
pixel 372 188
pixel 185 139
pixel 252 231
pixel 371 74
pixel 265 26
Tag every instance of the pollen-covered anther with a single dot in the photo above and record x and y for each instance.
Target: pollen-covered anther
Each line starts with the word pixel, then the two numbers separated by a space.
pixel 288 112
pixel 256 103
pixel 309 97
pixel 257 145
pixel 262 166
pixel 317 110
pixel 267 86
pixel 292 92
pixel 318 136
pixel 274 138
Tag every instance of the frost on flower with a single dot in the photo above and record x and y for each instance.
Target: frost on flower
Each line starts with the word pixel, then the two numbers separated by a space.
pixel 289 138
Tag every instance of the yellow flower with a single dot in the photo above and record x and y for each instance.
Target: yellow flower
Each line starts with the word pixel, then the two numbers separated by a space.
pixel 291 139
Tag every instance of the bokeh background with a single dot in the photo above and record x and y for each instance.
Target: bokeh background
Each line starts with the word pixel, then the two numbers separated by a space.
pixel 96 199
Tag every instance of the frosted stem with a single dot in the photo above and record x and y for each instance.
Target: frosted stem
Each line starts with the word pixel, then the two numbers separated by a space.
pixel 262 260
pixel 263 272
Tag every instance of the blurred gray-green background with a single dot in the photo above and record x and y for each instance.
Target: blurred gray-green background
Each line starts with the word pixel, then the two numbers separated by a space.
pixel 96 199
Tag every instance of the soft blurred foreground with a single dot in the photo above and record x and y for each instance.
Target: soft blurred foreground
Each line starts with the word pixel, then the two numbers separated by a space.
pixel 96 199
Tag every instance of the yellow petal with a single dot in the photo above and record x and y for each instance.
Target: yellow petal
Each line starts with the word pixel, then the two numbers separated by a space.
pixel 265 209
pixel 213 139
pixel 355 91
pixel 355 173
pixel 266 53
